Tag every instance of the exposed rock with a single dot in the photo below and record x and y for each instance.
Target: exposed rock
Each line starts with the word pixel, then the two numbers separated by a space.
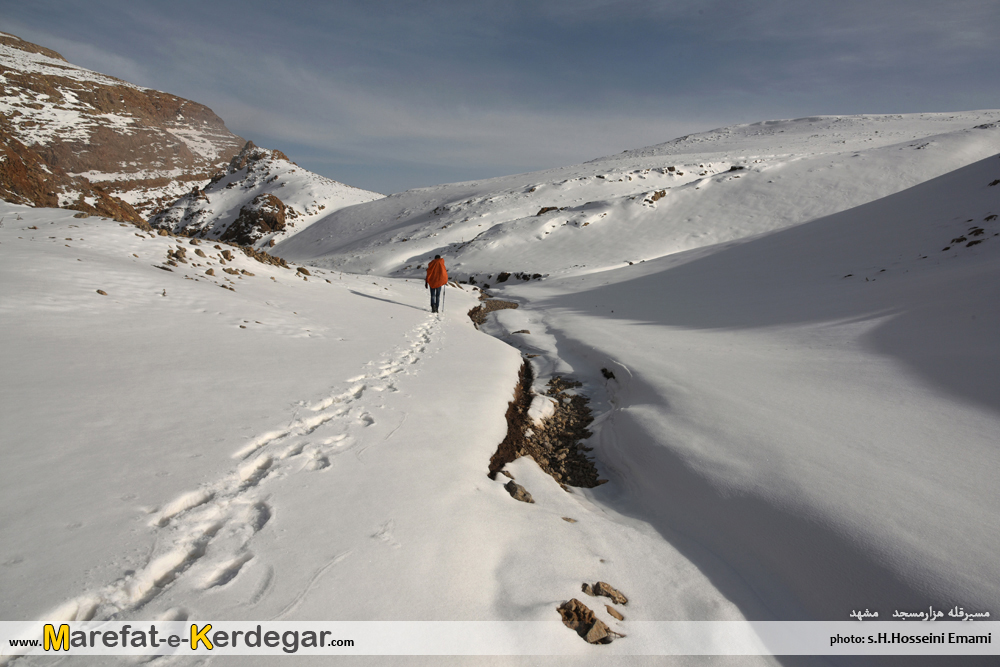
pixel 568 520
pixel 210 272
pixel 588 589
pixel 102 292
pixel 303 270
pixel 518 492
pixel 577 616
pixel 547 209
pixel 264 215
pixel 614 612
pixel 97 135
pixel 608 591
pixel 479 313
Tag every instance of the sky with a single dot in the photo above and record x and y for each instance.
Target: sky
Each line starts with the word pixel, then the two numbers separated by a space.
pixel 390 96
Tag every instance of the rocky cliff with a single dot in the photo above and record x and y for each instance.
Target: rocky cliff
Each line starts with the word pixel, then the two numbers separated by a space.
pixel 78 139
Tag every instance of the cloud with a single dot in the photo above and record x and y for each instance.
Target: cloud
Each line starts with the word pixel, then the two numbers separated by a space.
pixel 494 84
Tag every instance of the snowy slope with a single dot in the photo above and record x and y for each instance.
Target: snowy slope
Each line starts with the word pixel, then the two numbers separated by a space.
pixel 281 447
pixel 143 145
pixel 649 203
pixel 816 407
pixel 257 176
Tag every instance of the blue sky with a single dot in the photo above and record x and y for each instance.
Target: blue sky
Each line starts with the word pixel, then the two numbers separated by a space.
pixel 394 95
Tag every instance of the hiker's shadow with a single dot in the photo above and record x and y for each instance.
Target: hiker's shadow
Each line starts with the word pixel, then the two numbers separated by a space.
pixel 397 303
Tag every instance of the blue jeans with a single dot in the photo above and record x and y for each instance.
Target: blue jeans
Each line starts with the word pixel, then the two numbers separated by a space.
pixel 435 298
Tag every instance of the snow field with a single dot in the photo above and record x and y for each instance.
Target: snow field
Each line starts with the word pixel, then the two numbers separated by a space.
pixel 815 408
pixel 326 462
pixel 608 211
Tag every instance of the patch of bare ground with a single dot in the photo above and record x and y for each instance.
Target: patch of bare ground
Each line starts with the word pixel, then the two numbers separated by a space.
pixel 488 305
pixel 517 422
pixel 556 444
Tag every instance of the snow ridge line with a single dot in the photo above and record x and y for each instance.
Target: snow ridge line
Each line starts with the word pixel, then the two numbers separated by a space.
pixel 203 537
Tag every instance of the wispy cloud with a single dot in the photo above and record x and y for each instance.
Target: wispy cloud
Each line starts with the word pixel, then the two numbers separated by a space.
pixel 493 84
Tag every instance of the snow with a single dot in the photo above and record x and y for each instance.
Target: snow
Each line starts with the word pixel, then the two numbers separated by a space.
pixel 805 392
pixel 795 396
pixel 308 197
pixel 606 214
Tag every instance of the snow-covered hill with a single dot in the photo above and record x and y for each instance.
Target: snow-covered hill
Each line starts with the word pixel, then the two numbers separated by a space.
pixel 795 388
pixel 259 199
pixel 142 145
pixel 640 205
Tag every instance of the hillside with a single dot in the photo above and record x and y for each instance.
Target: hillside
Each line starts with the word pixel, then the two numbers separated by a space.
pixel 85 138
pixel 792 373
pixel 693 192
pixel 260 198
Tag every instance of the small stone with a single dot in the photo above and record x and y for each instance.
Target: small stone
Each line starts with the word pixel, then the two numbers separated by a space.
pixel 598 633
pixel 162 232
pixel 303 270
pixel 588 590
pixel 569 520
pixel 518 492
pixel 614 612
pixel 608 591
pixel 102 292
pixel 210 272
pixel 200 252
pixel 506 474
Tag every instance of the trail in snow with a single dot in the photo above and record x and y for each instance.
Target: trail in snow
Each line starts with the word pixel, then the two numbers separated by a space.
pixel 204 536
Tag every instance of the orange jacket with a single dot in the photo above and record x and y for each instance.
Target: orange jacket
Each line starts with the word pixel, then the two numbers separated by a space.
pixel 437 275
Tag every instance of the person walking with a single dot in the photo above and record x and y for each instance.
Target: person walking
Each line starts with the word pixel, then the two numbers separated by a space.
pixel 437 278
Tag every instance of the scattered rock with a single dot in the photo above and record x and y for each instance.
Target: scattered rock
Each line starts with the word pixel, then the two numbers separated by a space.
pixel 547 209
pixel 303 270
pixel 100 291
pixel 588 589
pixel 502 277
pixel 614 612
pixel 608 375
pixel 518 492
pixel 577 616
pixel 568 520
pixel 520 331
pixel 608 591
pixel 227 255
pixel 200 252
pixel 210 272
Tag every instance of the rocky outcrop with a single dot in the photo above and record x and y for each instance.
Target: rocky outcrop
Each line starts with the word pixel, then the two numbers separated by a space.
pixel 259 198
pixel 265 214
pixel 26 178
pixel 92 138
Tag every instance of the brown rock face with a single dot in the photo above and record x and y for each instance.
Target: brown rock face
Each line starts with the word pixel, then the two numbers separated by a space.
pixel 265 214
pixel 26 178
pixel 94 131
